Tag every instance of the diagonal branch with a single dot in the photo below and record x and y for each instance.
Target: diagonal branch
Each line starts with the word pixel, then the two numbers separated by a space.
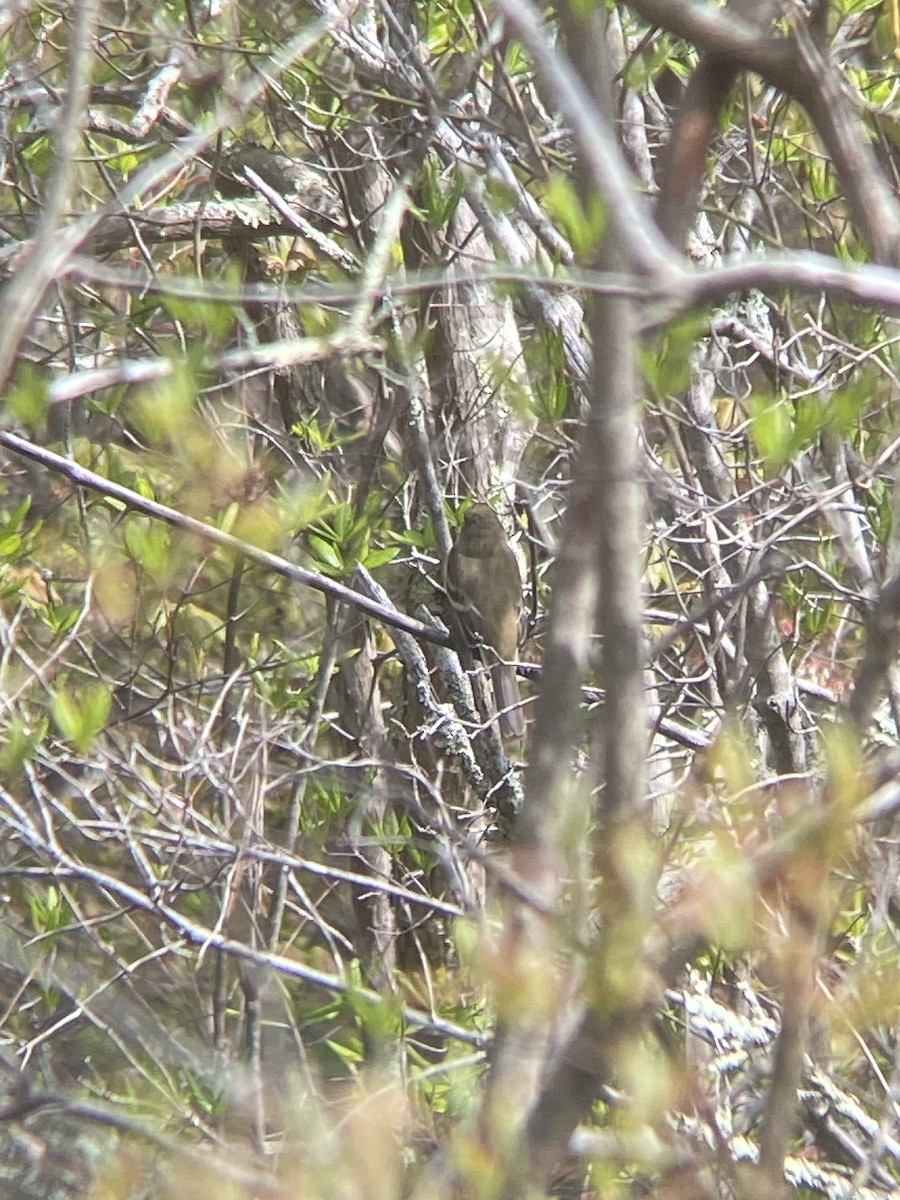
pixel 85 478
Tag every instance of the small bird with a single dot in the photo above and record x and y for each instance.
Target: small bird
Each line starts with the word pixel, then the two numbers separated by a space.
pixel 294 177
pixel 485 587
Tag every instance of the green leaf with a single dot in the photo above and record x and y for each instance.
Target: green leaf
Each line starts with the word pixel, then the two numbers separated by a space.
pixel 126 162
pixel 61 617
pixel 9 544
pixel 666 361
pixel 47 910
pixel 39 156
pixel 27 399
pixel 149 543
pixel 349 1056
pixel 772 427
pixel 81 715
pixel 211 320
pixel 377 558
pixel 325 552
pixel 164 411
pixel 19 744
pixel 583 224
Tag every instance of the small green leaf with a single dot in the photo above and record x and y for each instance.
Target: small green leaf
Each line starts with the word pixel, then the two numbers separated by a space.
pixel 377 558
pixel 39 156
pixel 81 715
pixel 772 426
pixel 47 911
pixel 27 398
pixel 583 224
pixel 144 488
pixel 126 162
pixel 326 552
pixel 666 361
pixel 210 319
pixel 19 744
pixel 149 543
pixel 61 617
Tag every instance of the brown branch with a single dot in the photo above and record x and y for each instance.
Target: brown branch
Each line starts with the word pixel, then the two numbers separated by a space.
pixel 797 66
pixel 179 222
pixel 214 219
pixel 200 935
pixel 84 478
pixel 696 124
pixel 679 294
pixel 684 160
pixel 882 651
pixel 797 993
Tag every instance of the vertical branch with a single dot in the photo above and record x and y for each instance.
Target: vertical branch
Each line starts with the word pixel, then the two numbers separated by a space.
pixel 26 289
pixel 696 124
pixel 558 1059
pixel 797 987
pixel 362 715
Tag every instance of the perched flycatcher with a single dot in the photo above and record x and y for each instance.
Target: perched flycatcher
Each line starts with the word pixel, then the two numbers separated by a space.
pixel 485 587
